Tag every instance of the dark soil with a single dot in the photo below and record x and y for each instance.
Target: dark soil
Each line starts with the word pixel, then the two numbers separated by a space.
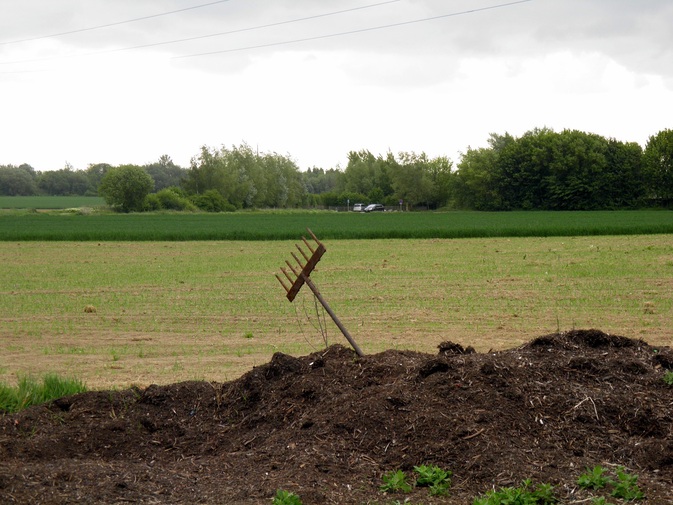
pixel 328 425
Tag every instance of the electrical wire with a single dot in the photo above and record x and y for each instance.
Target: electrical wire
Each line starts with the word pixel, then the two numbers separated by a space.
pixel 351 32
pixel 198 37
pixel 258 27
pixel 80 30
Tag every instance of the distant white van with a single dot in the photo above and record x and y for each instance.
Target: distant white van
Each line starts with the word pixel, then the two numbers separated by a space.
pixel 359 207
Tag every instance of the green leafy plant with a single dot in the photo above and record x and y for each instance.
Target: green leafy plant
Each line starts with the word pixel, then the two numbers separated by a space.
pixel 594 478
pixel 526 494
pixel 437 480
pixel 395 481
pixel 668 377
pixel 626 486
pixel 286 498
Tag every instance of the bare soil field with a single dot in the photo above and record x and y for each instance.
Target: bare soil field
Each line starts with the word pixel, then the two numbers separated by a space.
pixel 326 426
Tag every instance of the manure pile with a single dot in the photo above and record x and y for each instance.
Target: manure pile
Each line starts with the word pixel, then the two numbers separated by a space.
pixel 328 425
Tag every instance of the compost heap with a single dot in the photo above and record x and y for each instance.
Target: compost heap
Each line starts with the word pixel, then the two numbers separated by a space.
pixel 328 426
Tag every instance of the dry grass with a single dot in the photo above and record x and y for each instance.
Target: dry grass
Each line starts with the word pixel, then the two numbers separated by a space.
pixel 115 314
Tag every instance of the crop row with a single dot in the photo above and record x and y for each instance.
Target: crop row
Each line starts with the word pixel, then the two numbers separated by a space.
pixel 327 225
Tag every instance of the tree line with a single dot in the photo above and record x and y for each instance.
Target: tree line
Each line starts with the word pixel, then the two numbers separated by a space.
pixel 541 170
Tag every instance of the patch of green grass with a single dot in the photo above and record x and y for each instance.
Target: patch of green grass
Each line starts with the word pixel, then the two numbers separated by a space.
pixel 29 391
pixel 526 494
pixel 50 202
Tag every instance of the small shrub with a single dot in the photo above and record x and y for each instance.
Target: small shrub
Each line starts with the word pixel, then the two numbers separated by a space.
pixel 286 498
pixel 212 201
pixel 395 481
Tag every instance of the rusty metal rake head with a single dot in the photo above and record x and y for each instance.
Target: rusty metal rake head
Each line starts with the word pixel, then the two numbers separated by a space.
pixel 301 276
pixel 305 270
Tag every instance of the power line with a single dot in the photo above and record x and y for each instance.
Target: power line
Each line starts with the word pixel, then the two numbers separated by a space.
pixel 258 27
pixel 373 28
pixel 112 24
pixel 198 37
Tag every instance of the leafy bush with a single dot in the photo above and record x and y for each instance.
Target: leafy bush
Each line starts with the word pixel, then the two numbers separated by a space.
pixel 30 392
pixel 212 201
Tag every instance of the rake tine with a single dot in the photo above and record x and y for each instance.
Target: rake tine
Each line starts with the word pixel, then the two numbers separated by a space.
pixel 314 237
pixel 287 289
pixel 289 277
pixel 297 260
pixel 307 244
pixel 302 252
pixel 292 268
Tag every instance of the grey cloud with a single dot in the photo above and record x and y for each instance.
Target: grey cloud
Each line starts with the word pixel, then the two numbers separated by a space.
pixel 635 33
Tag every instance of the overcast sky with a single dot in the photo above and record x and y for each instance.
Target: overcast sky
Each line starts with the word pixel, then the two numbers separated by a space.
pixel 126 81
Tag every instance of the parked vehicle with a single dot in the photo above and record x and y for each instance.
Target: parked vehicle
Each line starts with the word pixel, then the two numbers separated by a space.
pixel 359 207
pixel 374 207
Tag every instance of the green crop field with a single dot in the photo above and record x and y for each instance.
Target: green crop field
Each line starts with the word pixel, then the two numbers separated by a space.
pixel 50 202
pixel 118 313
pixel 23 226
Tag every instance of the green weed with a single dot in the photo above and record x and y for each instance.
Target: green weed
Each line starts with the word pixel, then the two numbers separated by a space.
pixel 526 494
pixel 31 392
pixel 286 498
pixel 626 486
pixel 594 478
pixel 395 481
pixel 668 377
pixel 437 480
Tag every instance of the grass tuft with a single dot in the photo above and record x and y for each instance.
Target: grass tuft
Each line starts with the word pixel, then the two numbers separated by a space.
pixel 29 391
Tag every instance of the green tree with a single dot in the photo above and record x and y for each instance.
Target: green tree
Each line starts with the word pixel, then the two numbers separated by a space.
pixel 165 173
pixel 246 178
pixel 368 174
pixel 658 168
pixel 623 182
pixel 17 181
pixel 125 187
pixel 477 182
pixel 317 180
pixel 64 182
pixel 95 173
